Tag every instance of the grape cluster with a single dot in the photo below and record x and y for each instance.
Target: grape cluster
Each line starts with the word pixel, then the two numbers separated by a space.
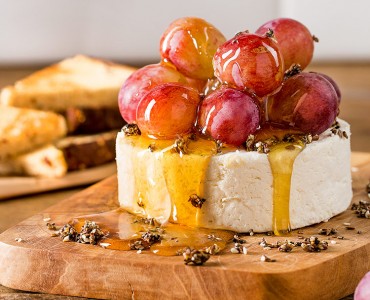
pixel 228 89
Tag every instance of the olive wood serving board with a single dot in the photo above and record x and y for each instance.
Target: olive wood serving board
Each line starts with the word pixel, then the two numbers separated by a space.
pixel 40 263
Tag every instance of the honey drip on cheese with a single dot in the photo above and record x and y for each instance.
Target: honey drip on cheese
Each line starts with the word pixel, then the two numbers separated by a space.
pixel 281 158
pixel 183 174
pixel 124 229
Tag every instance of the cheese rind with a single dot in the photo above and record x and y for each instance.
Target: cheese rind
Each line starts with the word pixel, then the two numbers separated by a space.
pixel 238 185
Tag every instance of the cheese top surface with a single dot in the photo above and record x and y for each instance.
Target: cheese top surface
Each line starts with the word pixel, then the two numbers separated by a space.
pixel 236 187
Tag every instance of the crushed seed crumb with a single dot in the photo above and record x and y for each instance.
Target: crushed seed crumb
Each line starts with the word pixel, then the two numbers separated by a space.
pixel 264 244
pixel 195 257
pixel 212 250
pixel 270 33
pixel 151 237
pixel 147 239
pixel 196 201
pixel 286 247
pixel 181 146
pixel 238 239
pixel 293 70
pixel 335 130
pixel 139 245
pixel 47 219
pixel 327 231
pixel 238 248
pixel 219 146
pixel 152 147
pixel 51 226
pixel 90 233
pixel 362 209
pixel 131 130
pixel 313 244
pixel 68 233
pixel 265 258
pixel 350 228
pixel 213 237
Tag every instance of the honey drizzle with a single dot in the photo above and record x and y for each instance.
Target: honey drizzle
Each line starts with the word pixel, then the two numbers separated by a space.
pixel 281 158
pixel 183 174
pixel 185 177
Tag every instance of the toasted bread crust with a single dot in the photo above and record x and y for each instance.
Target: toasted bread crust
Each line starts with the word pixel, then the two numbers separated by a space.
pixel 81 152
pixel 47 162
pixel 92 120
pixel 79 81
pixel 22 129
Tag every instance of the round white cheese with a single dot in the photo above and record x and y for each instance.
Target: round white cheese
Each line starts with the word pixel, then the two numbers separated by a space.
pixel 238 186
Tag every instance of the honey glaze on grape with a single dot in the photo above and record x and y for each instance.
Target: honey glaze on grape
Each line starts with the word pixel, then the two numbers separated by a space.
pixel 250 62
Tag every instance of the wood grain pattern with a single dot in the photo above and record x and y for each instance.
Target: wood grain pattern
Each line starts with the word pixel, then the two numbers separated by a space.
pixel 44 264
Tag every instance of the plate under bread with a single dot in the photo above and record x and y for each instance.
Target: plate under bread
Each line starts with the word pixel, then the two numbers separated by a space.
pixel 19 186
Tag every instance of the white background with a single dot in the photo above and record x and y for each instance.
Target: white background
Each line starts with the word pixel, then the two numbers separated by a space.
pixel 43 31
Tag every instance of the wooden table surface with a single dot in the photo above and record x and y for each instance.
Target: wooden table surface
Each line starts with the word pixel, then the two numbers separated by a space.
pixel 353 79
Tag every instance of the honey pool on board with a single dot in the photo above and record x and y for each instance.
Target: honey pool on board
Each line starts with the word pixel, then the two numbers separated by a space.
pixel 125 228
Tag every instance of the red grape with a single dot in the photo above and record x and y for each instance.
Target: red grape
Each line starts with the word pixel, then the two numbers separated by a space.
pixel 249 61
pixel 362 291
pixel 294 39
pixel 198 84
pixel 229 115
pixel 306 101
pixel 190 43
pixel 333 83
pixel 168 111
pixel 139 83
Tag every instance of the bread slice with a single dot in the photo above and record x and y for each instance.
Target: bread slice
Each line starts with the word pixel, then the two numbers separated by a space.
pixel 68 154
pixel 22 129
pixel 81 152
pixel 92 120
pixel 79 81
pixel 47 161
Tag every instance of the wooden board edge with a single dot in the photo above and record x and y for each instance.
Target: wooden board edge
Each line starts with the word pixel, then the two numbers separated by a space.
pixel 201 282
